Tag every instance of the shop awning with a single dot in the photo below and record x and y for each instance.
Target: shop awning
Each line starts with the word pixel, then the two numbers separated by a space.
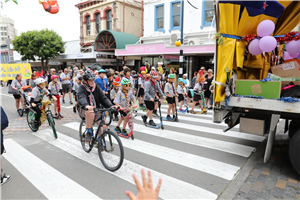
pixel 108 40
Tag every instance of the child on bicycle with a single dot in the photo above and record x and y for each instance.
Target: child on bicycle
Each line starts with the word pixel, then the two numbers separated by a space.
pixel 37 95
pixel 199 96
pixel 123 99
pixel 55 88
pixel 90 96
pixel 151 90
pixel 171 93
pixel 181 92
pixel 116 85
pixel 75 90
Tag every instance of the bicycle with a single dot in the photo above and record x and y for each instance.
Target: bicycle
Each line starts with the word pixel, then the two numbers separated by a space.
pixel 110 148
pixel 45 114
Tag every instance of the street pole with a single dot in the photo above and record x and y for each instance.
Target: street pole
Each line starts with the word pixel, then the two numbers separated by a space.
pixel 181 40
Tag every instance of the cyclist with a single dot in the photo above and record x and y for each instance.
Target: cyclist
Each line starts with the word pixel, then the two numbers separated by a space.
pixel 37 95
pixel 90 96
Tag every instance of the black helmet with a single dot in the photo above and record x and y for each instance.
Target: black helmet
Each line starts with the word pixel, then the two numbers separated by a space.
pixel 107 70
pixel 135 76
pixel 88 75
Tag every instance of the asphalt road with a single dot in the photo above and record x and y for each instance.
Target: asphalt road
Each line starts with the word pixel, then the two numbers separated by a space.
pixel 195 159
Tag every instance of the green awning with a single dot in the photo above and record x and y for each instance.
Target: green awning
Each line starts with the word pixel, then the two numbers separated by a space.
pixel 110 40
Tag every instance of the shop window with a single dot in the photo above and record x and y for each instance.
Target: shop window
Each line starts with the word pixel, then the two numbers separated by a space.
pixel 159 17
pixel 208 13
pixel 108 20
pixel 88 25
pixel 175 15
pixel 98 22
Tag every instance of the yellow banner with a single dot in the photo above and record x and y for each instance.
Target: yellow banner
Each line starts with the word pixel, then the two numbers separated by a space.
pixel 9 71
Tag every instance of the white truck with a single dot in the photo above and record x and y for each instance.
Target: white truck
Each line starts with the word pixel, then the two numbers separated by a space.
pixel 252 114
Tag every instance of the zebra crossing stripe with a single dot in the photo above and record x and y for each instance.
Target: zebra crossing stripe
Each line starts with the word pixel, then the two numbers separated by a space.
pixel 171 188
pixel 196 128
pixel 52 183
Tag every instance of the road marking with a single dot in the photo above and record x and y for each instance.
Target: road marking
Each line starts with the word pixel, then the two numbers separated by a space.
pixel 197 109
pixel 66 106
pixel 52 183
pixel 230 133
pixel 228 147
pixel 171 188
pixel 220 169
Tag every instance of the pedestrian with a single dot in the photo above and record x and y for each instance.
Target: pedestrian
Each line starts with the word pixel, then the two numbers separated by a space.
pixel 153 68
pixel 110 79
pixel 173 71
pixel 75 91
pixel 102 81
pixel 194 79
pixel 16 84
pixel 48 76
pixel 211 88
pixel 145 190
pixel 151 90
pixel 199 96
pixel 55 89
pixel 147 66
pixel 186 81
pixel 159 68
pixel 171 94
pixel 66 85
pixel 209 78
pixel 4 124
pixel 181 92
pixel 79 74
pixel 141 85
pixel 158 80
pixel 30 82
pixel 122 100
pixel 116 85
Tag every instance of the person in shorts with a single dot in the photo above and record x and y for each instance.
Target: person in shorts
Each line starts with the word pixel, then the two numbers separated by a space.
pixel 171 94
pixel 16 84
pixel 151 90
pixel 181 92
pixel 199 96
pixel 3 125
pixel 54 87
pixel 141 83
pixel 66 85
pixel 75 90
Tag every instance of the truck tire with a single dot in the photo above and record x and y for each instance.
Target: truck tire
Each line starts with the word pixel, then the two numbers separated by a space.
pixel 294 149
pixel 293 128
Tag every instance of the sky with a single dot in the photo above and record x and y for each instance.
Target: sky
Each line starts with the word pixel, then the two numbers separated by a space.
pixel 30 15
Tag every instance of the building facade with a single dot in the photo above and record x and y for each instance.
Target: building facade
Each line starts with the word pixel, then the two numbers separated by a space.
pixel 163 28
pixel 7 28
pixel 114 15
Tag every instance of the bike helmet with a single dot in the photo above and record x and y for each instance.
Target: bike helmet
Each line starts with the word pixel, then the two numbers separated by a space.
pixel 101 71
pixel 54 76
pixel 39 81
pixel 125 81
pixel 153 74
pixel 135 76
pixel 180 80
pixel 171 76
pixel 107 70
pixel 88 75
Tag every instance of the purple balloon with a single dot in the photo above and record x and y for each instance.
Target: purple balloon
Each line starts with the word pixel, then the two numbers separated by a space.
pixel 292 47
pixel 287 56
pixel 254 47
pixel 294 55
pixel 265 28
pixel 267 43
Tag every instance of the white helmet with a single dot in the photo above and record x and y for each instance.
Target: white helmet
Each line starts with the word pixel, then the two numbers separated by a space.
pixel 39 81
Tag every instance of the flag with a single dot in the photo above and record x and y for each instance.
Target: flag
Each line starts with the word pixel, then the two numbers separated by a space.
pixel 254 8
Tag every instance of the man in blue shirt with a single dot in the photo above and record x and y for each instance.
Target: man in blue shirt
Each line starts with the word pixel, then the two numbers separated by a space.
pixel 3 124
pixel 102 81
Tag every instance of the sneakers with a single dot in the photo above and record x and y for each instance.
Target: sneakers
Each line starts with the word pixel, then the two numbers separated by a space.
pixel 71 102
pixel 63 101
pixel 60 116
pixel 169 117
pixel 74 109
pixel 89 135
pixel 203 111
pixel 151 123
pixel 117 129
pixel 35 125
pixel 210 108
pixel 55 116
pixel 124 133
pixel 144 117
pixel 5 178
pixel 192 112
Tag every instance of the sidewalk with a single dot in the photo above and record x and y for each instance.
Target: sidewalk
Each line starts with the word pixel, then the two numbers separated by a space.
pixel 275 179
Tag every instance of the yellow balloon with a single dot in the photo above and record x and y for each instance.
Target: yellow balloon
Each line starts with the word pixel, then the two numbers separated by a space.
pixel 178 43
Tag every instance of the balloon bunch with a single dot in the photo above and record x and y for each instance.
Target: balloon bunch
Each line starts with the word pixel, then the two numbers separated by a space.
pixel 266 43
pixel 293 48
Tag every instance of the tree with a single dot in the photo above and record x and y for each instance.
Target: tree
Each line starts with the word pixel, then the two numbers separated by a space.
pixel 39 45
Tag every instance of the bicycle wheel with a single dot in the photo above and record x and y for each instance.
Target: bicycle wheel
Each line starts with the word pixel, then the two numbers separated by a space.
pixel 51 123
pixel 107 116
pixel 30 120
pixel 110 150
pixel 87 146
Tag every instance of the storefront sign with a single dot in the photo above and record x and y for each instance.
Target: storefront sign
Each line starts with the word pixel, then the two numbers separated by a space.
pixel 106 56
pixel 156 49
pixel 85 60
pixel 171 57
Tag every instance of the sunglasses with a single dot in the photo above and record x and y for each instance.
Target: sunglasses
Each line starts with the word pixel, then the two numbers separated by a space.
pixel 127 85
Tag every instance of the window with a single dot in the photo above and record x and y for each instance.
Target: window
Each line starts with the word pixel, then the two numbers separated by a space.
pixel 2 33
pixel 88 25
pixel 108 20
pixel 5 33
pixel 208 13
pixel 175 15
pixel 98 22
pixel 4 28
pixel 159 17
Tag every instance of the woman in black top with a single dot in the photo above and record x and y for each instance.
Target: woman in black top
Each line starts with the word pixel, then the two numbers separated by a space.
pixel 209 78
